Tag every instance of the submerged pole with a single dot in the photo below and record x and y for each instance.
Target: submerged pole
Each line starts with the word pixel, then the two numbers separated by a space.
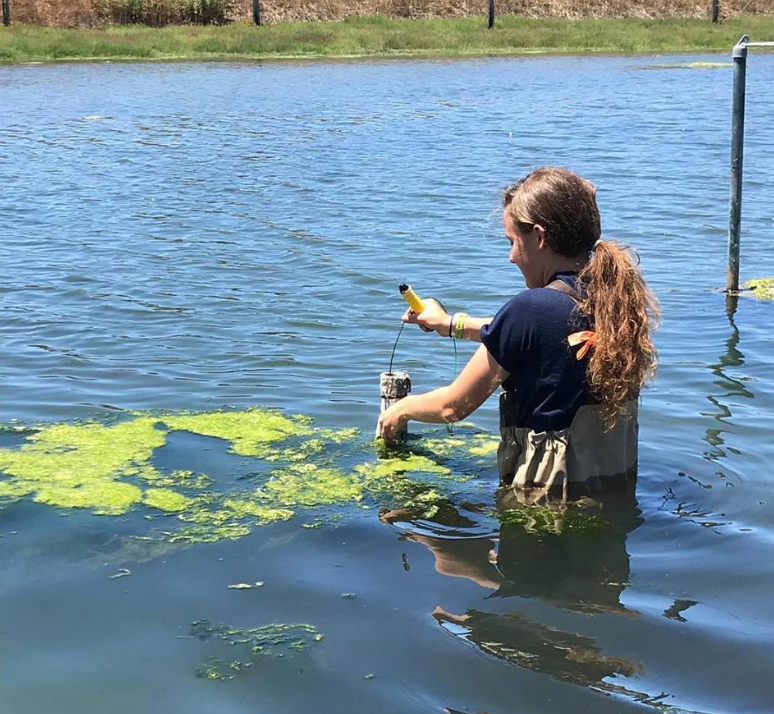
pixel 737 151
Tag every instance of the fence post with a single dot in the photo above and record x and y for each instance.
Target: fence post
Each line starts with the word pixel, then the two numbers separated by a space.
pixel 6 12
pixel 257 12
pixel 739 55
pixel 491 13
pixel 715 10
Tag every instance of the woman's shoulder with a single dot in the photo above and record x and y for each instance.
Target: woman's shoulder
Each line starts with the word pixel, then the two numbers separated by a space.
pixel 540 298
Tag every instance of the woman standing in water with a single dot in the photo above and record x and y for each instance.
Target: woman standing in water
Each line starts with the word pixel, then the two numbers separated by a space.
pixel 571 352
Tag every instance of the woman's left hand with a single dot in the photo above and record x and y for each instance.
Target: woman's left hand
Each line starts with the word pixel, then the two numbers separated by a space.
pixel 391 423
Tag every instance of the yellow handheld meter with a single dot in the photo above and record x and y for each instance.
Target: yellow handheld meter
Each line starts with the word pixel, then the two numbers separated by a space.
pixel 414 301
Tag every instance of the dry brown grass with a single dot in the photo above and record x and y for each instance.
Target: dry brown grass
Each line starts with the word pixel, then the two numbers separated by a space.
pixel 88 13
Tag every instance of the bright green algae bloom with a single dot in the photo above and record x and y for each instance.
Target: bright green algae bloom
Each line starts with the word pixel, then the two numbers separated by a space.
pixel 109 469
pixel 79 465
pixel 166 500
pixel 250 432
pixel 762 288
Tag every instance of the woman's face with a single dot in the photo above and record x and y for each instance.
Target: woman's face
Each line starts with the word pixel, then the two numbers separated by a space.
pixel 525 252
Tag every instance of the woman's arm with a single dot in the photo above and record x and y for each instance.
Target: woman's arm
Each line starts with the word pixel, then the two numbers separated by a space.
pixel 477 381
pixel 435 319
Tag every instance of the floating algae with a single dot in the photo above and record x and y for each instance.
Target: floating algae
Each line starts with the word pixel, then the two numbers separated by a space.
pixel 308 486
pixel 217 518
pixel 79 465
pixel 395 481
pixel 554 520
pixel 762 288
pixel 166 500
pixel 109 469
pixel 250 432
pixel 484 445
pixel 273 640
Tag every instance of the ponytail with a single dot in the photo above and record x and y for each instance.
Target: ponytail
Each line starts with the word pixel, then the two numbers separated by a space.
pixel 621 309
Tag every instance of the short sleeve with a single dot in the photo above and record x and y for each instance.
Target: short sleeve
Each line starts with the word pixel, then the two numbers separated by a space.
pixel 510 334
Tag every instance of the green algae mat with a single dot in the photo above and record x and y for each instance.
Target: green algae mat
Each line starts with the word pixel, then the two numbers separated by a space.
pixel 296 469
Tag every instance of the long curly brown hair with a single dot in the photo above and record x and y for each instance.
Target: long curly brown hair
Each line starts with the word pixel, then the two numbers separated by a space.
pixel 617 302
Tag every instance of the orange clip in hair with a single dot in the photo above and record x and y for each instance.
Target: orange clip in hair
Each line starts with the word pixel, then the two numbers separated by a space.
pixel 587 337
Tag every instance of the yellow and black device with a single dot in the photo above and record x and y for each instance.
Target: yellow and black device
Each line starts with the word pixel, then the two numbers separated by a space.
pixel 414 301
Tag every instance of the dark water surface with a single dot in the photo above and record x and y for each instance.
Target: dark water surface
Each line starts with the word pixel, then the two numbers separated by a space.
pixel 197 236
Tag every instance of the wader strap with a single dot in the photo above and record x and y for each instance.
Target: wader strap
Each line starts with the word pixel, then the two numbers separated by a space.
pixel 562 287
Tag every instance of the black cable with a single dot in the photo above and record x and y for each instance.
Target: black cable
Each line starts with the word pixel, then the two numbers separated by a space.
pixel 395 346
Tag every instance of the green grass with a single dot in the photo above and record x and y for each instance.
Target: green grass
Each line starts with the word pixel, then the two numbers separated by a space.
pixel 376 37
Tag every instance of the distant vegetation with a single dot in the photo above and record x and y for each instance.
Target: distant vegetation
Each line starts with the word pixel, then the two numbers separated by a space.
pixel 159 13
pixel 376 37
pixel 92 13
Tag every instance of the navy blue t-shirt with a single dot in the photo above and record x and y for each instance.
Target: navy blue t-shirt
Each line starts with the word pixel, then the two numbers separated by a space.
pixel 528 339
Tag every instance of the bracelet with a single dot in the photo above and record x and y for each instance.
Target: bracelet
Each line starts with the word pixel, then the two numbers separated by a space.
pixel 459 328
pixel 451 326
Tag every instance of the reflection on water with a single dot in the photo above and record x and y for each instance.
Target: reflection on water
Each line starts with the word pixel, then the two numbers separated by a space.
pixel 569 555
pixel 733 387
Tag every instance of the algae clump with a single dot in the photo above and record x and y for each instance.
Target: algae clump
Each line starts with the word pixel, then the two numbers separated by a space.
pixel 307 485
pixel 762 288
pixel 78 465
pixel 272 640
pixel 166 500
pixel 109 469
pixel 556 520
pixel 250 432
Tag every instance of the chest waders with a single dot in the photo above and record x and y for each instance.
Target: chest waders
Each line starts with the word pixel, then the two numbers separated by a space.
pixel 583 458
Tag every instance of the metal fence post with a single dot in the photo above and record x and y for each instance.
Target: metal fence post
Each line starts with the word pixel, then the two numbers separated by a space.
pixel 6 12
pixel 491 13
pixel 257 12
pixel 715 10
pixel 739 55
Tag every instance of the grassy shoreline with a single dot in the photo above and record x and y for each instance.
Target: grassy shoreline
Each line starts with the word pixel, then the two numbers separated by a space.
pixel 377 37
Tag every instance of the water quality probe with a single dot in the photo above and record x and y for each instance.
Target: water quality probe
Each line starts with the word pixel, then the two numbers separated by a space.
pixel 415 302
pixel 397 385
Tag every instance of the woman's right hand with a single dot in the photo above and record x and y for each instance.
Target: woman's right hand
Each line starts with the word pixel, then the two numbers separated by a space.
pixel 432 319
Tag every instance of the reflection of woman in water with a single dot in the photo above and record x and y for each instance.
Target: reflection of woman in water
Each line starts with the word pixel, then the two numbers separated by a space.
pixel 572 556
pixel 571 352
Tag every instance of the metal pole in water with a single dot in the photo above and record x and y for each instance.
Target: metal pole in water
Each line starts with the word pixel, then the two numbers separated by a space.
pixel 257 12
pixel 739 55
pixel 6 12
pixel 491 13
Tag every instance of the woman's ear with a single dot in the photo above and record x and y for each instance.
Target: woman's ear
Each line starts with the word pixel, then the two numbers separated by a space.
pixel 541 235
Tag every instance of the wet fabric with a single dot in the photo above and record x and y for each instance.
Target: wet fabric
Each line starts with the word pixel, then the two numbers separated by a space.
pixel 528 339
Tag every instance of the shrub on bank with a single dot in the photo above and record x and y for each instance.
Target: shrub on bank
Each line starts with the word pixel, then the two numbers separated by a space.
pixel 159 13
